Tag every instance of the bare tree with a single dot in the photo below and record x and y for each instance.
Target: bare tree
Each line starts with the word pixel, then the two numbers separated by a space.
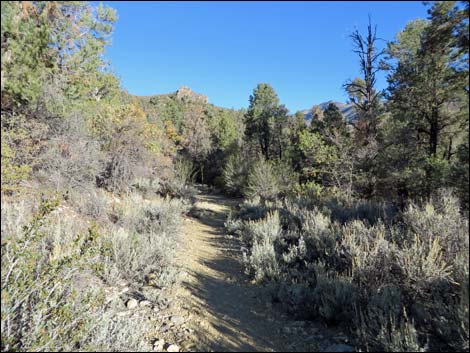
pixel 362 92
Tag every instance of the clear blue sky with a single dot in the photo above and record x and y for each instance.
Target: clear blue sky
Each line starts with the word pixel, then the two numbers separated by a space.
pixel 224 49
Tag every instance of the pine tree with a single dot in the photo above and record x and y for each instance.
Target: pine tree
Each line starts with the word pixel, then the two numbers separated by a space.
pixel 260 119
pixel 428 91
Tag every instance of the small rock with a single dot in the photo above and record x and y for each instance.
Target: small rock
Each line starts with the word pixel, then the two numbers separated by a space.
pixel 340 348
pixel 172 348
pixel 132 304
pixel 145 303
pixel 177 320
pixel 164 328
pixel 158 345
pixel 286 330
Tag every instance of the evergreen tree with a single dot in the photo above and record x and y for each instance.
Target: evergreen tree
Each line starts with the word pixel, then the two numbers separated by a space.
pixel 334 121
pixel 428 92
pixel 260 118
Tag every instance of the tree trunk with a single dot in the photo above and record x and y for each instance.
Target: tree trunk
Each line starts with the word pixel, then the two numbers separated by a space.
pixel 434 133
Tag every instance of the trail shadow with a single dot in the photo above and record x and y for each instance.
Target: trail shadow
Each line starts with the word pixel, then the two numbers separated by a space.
pixel 233 307
pixel 229 311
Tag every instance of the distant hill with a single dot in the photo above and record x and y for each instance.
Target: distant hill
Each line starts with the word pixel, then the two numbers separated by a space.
pixel 174 105
pixel 171 105
pixel 346 108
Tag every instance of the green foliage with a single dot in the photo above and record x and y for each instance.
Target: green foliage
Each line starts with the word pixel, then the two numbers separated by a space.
pixel 67 127
pixel 263 181
pixel 460 175
pixel 309 190
pixel 54 39
pixel 344 223
pixel 235 173
pixel 12 174
pixel 261 119
pixel 25 57
pixel 332 123
pixel 428 96
pixel 329 160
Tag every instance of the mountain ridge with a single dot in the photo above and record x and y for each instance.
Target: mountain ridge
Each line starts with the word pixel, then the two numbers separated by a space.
pixel 346 108
pixel 185 93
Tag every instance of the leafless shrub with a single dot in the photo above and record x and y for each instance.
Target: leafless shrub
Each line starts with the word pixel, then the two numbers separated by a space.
pixel 73 159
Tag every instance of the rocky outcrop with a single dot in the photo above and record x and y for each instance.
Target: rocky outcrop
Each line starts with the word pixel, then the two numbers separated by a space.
pixel 185 93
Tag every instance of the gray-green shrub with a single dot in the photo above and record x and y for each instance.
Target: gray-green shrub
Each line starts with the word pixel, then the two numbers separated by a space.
pixel 401 279
pixel 145 239
pixel 41 309
pixel 263 181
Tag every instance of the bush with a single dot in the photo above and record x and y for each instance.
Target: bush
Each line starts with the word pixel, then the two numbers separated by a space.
pixel 439 219
pixel 41 309
pixel 403 283
pixel 126 159
pixel 309 190
pixel 22 141
pixel 143 245
pixel 262 236
pixel 73 159
pixel 235 173
pixel 179 183
pixel 262 261
pixel 92 203
pixel 364 210
pixel 385 334
pixel 252 209
pixel 11 174
pixel 53 261
pixel 262 181
pixel 333 300
pixel 113 333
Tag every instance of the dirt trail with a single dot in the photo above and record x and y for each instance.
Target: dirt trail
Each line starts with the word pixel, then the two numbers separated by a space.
pixel 226 312
pixel 223 310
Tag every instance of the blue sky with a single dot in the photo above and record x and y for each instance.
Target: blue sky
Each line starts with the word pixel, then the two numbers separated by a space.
pixel 224 49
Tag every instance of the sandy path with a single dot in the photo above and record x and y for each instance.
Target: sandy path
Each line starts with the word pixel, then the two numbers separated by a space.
pixel 226 312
